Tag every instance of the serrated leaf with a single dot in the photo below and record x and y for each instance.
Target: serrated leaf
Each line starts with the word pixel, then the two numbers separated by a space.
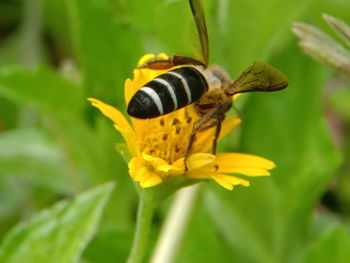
pixel 59 234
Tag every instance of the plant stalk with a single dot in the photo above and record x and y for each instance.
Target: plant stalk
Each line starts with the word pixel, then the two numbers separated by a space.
pixel 175 226
pixel 145 214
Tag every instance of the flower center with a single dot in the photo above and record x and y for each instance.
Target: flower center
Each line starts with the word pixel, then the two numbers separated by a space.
pixel 169 137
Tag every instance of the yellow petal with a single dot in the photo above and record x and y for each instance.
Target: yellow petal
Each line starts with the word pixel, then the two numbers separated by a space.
pixel 235 96
pixel 138 170
pixel 235 180
pixel 205 138
pixel 246 164
pixel 221 181
pixel 135 165
pixel 142 75
pixel 149 57
pixel 165 168
pixel 142 174
pixel 200 160
pixel 244 160
pixel 144 59
pixel 152 181
pixel 228 181
pixel 249 171
pixel 162 56
pixel 155 161
pixel 198 174
pixel 228 125
pixel 120 123
pixel 179 164
pixel 130 139
pixel 170 170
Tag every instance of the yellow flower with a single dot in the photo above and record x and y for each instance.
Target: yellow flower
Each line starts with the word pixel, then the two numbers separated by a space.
pixel 158 145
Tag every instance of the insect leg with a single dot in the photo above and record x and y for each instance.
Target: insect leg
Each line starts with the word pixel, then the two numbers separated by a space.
pixel 219 119
pixel 197 127
pixel 189 147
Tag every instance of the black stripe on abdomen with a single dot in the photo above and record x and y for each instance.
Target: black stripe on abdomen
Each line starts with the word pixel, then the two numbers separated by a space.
pixel 179 89
pixel 164 95
pixel 195 81
pixel 173 90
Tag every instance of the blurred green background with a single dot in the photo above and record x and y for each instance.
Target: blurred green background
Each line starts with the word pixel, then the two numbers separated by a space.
pixel 53 144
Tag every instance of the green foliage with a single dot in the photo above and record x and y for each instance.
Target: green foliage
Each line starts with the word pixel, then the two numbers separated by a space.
pixel 37 156
pixel 247 31
pixel 274 215
pixel 42 87
pixel 53 144
pixel 58 234
pixel 333 246
pixel 103 47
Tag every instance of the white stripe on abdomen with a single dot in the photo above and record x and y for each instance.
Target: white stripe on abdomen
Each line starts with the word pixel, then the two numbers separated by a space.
pixel 155 97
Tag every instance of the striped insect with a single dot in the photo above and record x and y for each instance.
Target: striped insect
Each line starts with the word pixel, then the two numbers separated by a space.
pixel 168 92
pixel 208 87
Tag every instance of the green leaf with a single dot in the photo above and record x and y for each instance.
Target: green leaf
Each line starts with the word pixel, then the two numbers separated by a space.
pixel 333 246
pixel 63 103
pixel 59 234
pixel 241 32
pixel 55 19
pixel 107 46
pixel 295 135
pixel 88 153
pixel 268 222
pixel 238 219
pixel 10 50
pixel 41 87
pixel 102 250
pixel 27 153
pixel 202 234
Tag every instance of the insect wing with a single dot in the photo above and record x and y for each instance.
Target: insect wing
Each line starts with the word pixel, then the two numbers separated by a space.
pixel 199 18
pixel 260 77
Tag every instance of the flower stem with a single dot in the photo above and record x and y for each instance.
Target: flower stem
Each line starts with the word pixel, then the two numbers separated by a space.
pixel 175 225
pixel 144 220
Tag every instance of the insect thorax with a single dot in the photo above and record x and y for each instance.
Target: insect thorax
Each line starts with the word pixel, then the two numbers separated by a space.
pixel 216 76
pixel 218 81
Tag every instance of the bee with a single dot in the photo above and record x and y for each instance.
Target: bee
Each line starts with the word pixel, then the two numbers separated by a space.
pixel 208 87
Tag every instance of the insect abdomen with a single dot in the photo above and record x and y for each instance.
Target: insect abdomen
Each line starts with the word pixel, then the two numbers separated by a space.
pixel 168 92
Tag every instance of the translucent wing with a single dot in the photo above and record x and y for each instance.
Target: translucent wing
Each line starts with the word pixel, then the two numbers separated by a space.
pixel 260 77
pixel 198 15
